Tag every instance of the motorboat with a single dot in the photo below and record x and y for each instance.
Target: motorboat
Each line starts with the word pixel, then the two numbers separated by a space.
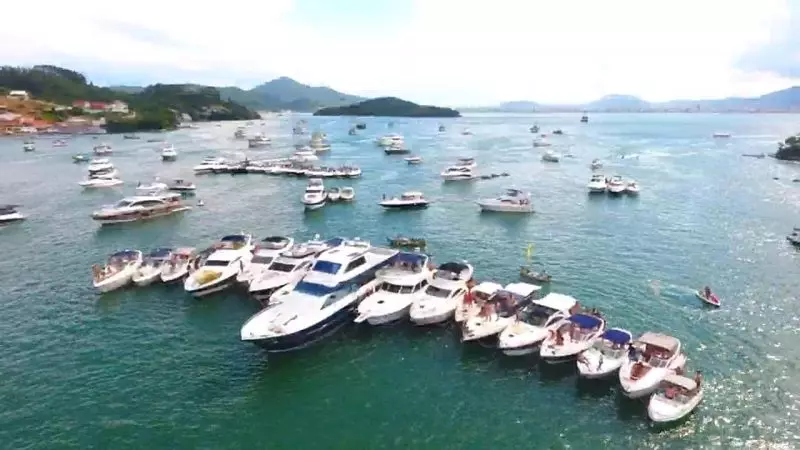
pixel 263 254
pixel 211 164
pixel 181 185
pixel 530 274
pixel 322 301
pixel 616 185
pixel 259 140
pixel 445 291
pixel 9 213
pixel 239 133
pixel 596 164
pixel 396 149
pixel 218 272
pixel 467 132
pixel 80 158
pixel 314 196
pixel 541 143
pixel 168 153
pixel 178 265
pixel 141 207
pixel 407 242
pixel 558 131
pixel 59 143
pixel 525 335
pixel 597 184
pixel 390 140
pixel 99 165
pixel 512 201
pixel 150 270
pixel 130 136
pixel 318 143
pixel 288 268
pixel 653 357
pixel 606 355
pixel 399 285
pixel 794 237
pixel 571 336
pixel 413 160
pixel 584 119
pixel 708 297
pixel 100 181
pixel 499 311
pixel 361 126
pixel 29 146
pixel 551 156
pixel 350 171
pixel 632 188
pixel 407 200
pixel 347 194
pixel 302 156
pixel 459 173
pixel 118 271
pixel 474 299
pixel 534 129
pixel 103 149
pixel 151 188
pixel 721 135
pixel 351 131
pixel 334 194
pixel 676 399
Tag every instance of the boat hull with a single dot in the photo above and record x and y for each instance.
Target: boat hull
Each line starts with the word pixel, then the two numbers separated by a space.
pixel 118 281
pixel 432 316
pixel 388 316
pixel 307 337
pixel 420 205
pixel 218 285
pixel 506 208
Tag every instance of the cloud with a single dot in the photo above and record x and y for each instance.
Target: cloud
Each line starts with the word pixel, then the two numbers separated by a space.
pixel 437 51
pixel 781 54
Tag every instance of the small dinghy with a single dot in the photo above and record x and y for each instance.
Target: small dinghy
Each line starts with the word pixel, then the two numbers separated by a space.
pixel 150 270
pixel 606 355
pixel 118 271
pixel 708 297
pixel 334 194
pixel 526 273
pixel 347 194
pixel 677 397
pixel 178 265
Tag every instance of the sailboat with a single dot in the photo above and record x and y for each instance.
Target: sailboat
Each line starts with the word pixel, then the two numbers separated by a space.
pixel 527 272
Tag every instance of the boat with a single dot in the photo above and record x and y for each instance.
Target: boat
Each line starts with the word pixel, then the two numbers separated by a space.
pixel 550 156
pixel 143 207
pixel 180 185
pixel 597 184
pixel 178 265
pixel 79 158
pixel 150 270
pixel 322 302
pixel 464 169
pixel 396 149
pixel 259 140
pixel 584 119
pixel 29 146
pixel 466 132
pixel 536 320
pixel 154 187
pixel 616 185
pixel 656 356
pixel 239 133
pixel 499 311
pixel 318 142
pixel 302 156
pixel 676 399
pixel 347 194
pixel 9 213
pixel 59 143
pixel 596 164
pixel 441 128
pixel 118 271
pixel 211 164
pixel 708 297
pixel 390 140
pixel 407 200
pixel 558 131
pixel 314 196
pixel 103 149
pixel 361 126
pixel 445 291
pixel 794 238
pixel 606 356
pixel 351 131
pixel 399 285
pixel 571 336
pixel 512 201
pixel 100 181
pixel 288 268
pixel 721 135
pixel 100 165
pixel 218 272
pixel 474 299
pixel 168 153
pixel 263 254
pixel 130 136
pixel 411 160
pixel 350 171
pixel 334 194
pixel 632 188
pixel 541 143
pixel 534 129
pixel 529 274
pixel 406 242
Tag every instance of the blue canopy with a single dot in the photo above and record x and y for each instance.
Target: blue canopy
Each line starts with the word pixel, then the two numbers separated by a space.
pixel 161 252
pixel 617 336
pixel 584 321
pixel 315 289
pixel 410 258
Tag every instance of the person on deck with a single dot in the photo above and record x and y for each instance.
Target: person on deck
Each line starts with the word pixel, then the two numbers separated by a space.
pixel 707 292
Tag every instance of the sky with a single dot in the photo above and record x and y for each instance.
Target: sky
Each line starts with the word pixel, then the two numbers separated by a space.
pixel 446 52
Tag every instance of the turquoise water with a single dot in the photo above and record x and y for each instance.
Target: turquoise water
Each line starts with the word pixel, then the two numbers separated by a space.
pixel 155 368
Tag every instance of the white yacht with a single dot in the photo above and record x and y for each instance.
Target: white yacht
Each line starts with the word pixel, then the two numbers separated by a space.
pixel 572 336
pixel 100 165
pixel 678 397
pixel 322 301
pixel 302 156
pixel 118 271
pixel 597 184
pixel 168 153
pixel 141 207
pixel 408 200
pixel 289 267
pixel 179 265
pixel 239 133
pixel 400 285
pixel 150 270
pixel 318 142
pixel 616 185
pixel 151 188
pixel 232 255
pixel 263 254
pixel 314 196
pixel 525 336
pixel 474 299
pixel 347 194
pixel 413 160
pixel 103 149
pixel 334 194
pixel 211 164
pixel 445 292
pixel 632 188
pixel 100 181
pixel 389 140
pixel 658 355
pixel 499 311
pixel 464 169
pixel 606 355
pixel 29 146
pixel 512 201
pixel 550 156
pixel 259 140
pixel 9 213
pixel 181 185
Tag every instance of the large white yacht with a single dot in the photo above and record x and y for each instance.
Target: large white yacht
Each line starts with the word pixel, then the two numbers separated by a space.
pixel 536 320
pixel 232 255
pixel 142 207
pixel 464 169
pixel 440 299
pixel 597 184
pixel 399 286
pixel 264 253
pixel 100 165
pixel 499 311
pixel 211 164
pixel 314 196
pixel 322 301
pixel 513 201
pixel 658 355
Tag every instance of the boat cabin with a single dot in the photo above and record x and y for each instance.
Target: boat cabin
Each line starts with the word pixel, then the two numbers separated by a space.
pixel 509 300
pixel 232 242
pixel 453 271
pixel 542 312
pixel 613 343
pixel 678 388
pixel 657 349
pixel 484 291
pixel 579 327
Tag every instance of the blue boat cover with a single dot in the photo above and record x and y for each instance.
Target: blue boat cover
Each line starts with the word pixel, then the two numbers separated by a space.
pixel 125 254
pixel 410 258
pixel 326 267
pixel 315 289
pixel 585 321
pixel 617 336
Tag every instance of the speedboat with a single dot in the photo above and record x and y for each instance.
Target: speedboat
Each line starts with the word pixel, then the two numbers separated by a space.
pixel 180 185
pixel 9 213
pixel 211 165
pixel 100 165
pixel 334 194
pixel 499 311
pixel 442 128
pixel 525 335
pixel 572 336
pixel 239 133
pixel 396 149
pixel 444 293
pixel 59 143
pixel 118 271
pixel 534 129
pixel 412 160
pixel 314 197
pixel 318 142
pixel 541 143
pixel 263 254
pixel 142 207
pixel 259 140
pixel 616 185
pixel 677 397
pixel 391 139
pixel 150 270
pixel 607 354
pixel 100 181
pixel 302 156
pixel 550 156
pixel 656 356
pixel 466 132
pixel 708 297
pixel 584 119
pixel 347 194
pixel 178 265
pixel 513 201
pixel 28 146
pixel 322 301
pixel 80 158
pixel 464 169
pixel 596 164
pixel 632 188
pixel 408 200
pixel 154 187
pixel 721 135
pixel 474 299
pixel 168 153
pixel 597 184
pixel 350 171
pixel 400 285
pixel 219 271
pixel 288 268
pixel 794 238
pixel 103 149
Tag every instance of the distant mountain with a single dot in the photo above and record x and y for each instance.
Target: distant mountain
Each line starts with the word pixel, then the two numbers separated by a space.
pixel 521 106
pixel 286 93
pixel 621 102
pixel 127 89
pixel 388 107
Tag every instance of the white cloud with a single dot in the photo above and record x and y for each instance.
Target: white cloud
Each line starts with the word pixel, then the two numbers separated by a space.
pixel 452 52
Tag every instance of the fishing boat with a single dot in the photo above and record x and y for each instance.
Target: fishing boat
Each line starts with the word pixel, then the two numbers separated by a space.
pixel 708 297
pixel 655 356
pixel 150 270
pixel 607 354
pixel 406 242
pixel 399 285
pixel 572 336
pixel 534 324
pixel 474 299
pixel 676 399
pixel 499 311
pixel 118 271
pixel 142 207
pixel 232 254
pixel 444 293
pixel 178 265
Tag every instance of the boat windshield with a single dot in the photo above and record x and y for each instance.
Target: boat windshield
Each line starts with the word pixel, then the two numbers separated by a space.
pixel 281 267
pixel 434 291
pixel 537 315
pixel 396 289
pixel 326 267
pixel 216 262
pixel 262 259
pixel 123 203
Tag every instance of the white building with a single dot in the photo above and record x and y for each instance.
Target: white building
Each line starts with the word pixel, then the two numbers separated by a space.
pixel 117 107
pixel 19 95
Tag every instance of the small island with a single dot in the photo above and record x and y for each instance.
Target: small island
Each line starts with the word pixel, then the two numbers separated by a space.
pixel 789 150
pixel 388 107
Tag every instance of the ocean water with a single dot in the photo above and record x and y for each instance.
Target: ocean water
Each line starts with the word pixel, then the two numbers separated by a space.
pixel 155 368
